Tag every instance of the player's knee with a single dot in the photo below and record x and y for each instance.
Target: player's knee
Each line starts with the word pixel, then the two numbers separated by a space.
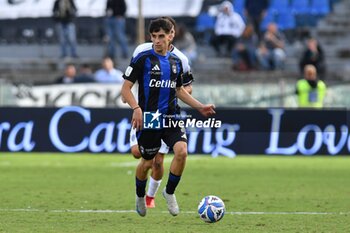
pixel 158 162
pixel 146 165
pixel 135 152
pixel 181 151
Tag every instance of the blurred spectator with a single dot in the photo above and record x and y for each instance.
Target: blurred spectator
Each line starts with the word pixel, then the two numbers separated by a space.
pixel 69 75
pixel 244 52
pixel 255 10
pixel 310 90
pixel 185 42
pixel 108 73
pixel 115 27
pixel 271 54
pixel 229 26
pixel 205 24
pixel 313 55
pixel 263 57
pixel 85 74
pixel 64 11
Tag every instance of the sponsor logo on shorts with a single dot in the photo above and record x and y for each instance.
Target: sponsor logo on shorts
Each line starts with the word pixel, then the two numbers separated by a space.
pixel 151 151
pixel 142 150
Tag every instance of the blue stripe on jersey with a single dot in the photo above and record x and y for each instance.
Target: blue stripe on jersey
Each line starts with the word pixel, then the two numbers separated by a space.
pixel 146 78
pixel 163 100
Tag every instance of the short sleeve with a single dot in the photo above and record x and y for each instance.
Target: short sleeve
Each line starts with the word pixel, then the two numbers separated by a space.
pixel 187 78
pixel 133 71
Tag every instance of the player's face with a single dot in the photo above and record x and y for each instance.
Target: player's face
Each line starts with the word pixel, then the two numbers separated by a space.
pixel 161 41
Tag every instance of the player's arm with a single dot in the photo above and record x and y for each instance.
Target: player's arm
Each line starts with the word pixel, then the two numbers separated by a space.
pixel 184 90
pixel 132 74
pixel 188 88
pixel 205 110
pixel 127 94
pixel 187 80
pixel 129 98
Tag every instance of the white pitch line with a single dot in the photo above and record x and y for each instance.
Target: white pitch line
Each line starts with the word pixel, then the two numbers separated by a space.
pixel 288 213
pixel 166 212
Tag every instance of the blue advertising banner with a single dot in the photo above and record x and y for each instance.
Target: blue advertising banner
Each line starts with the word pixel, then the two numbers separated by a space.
pixel 231 132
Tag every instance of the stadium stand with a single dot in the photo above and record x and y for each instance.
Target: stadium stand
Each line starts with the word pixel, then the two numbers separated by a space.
pixel 270 17
pixel 28 49
pixel 320 7
pixel 279 5
pixel 204 27
pixel 300 6
pixel 239 6
pixel 286 20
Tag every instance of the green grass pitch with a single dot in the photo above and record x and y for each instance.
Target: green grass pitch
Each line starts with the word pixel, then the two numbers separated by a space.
pixel 96 193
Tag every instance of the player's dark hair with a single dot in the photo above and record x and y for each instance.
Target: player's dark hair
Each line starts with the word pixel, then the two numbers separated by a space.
pixel 157 24
pixel 172 21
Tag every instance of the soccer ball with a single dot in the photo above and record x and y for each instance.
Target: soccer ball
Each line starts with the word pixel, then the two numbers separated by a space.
pixel 211 209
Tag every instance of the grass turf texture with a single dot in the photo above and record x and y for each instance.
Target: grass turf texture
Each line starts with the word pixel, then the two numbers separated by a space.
pixel 38 191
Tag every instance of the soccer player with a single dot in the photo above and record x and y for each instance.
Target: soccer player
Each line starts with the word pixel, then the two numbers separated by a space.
pixel 159 74
pixel 157 166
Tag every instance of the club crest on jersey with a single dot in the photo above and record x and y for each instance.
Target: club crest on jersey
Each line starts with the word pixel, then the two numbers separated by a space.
pixel 174 68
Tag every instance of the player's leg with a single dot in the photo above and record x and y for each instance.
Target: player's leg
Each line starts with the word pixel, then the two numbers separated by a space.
pixel 134 147
pixel 149 143
pixel 135 151
pixel 155 180
pixel 177 165
pixel 156 175
pixel 141 181
pixel 177 138
pixel 158 167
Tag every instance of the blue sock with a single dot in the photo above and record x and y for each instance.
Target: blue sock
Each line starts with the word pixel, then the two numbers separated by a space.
pixel 140 187
pixel 173 181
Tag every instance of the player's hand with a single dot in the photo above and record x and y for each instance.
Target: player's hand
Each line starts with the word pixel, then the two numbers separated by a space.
pixel 207 110
pixel 137 119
